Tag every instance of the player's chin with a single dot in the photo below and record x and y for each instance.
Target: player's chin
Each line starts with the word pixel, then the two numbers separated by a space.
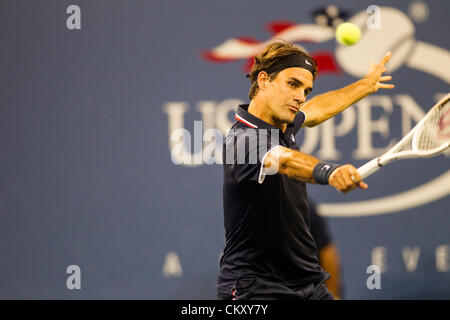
pixel 290 118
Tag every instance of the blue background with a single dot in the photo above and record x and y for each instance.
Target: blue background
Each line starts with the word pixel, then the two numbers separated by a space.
pixel 86 176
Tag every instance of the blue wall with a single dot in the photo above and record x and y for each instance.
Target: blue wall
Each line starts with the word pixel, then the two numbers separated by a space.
pixel 86 171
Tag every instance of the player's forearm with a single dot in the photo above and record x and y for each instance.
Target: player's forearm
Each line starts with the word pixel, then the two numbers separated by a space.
pixel 306 168
pixel 327 105
pixel 294 164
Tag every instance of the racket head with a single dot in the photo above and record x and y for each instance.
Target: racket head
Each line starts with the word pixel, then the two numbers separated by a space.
pixel 433 135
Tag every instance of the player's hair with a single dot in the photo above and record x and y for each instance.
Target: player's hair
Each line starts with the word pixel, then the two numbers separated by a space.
pixel 271 55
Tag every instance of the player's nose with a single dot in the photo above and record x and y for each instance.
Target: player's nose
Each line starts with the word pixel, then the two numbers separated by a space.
pixel 300 97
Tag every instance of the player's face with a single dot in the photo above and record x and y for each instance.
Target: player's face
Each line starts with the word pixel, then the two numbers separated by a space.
pixel 285 95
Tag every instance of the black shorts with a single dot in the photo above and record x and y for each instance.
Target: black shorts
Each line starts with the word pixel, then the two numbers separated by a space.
pixel 259 289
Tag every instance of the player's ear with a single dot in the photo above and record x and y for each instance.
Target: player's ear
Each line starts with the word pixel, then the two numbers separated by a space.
pixel 263 79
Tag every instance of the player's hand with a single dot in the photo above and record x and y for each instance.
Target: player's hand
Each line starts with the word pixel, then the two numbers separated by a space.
pixel 346 179
pixel 375 79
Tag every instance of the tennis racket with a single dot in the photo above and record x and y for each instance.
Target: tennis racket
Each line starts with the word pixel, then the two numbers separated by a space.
pixel 428 138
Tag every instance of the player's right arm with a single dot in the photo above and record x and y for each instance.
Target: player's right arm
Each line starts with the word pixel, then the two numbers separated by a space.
pixel 300 166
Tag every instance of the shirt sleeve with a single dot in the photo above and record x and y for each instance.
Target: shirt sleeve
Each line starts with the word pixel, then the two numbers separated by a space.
pixel 265 171
pixel 246 151
pixel 299 120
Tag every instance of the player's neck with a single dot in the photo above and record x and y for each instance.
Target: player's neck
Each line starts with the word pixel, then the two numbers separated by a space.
pixel 259 110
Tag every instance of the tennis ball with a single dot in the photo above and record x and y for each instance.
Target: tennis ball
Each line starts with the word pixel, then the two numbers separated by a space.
pixel 348 33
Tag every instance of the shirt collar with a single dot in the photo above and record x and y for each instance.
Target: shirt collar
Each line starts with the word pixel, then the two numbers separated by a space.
pixel 242 115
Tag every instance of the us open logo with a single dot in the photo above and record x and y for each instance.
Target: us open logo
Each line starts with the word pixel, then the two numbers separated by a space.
pixel 321 141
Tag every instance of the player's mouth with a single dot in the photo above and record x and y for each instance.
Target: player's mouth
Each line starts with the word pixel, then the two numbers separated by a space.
pixel 293 108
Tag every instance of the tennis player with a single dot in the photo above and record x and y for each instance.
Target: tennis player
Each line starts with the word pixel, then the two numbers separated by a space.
pixel 269 251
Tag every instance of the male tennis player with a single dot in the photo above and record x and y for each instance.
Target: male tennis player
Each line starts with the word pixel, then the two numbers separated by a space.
pixel 269 251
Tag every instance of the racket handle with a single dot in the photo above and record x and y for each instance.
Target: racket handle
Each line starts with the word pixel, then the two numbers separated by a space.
pixel 370 167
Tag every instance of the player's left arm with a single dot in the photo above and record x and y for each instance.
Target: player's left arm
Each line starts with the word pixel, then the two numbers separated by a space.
pixel 327 105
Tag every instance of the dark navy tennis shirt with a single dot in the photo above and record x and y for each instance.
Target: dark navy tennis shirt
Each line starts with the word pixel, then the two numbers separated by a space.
pixel 266 216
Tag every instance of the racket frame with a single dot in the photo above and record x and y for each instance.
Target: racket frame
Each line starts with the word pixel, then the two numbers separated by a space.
pixel 393 154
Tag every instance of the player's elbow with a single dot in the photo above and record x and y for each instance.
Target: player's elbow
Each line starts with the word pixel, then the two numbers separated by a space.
pixel 311 124
pixel 275 160
pixel 312 118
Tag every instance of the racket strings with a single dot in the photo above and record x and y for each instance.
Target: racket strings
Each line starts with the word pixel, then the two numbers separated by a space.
pixel 436 129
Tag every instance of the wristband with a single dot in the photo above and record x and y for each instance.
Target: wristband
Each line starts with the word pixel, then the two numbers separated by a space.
pixel 323 170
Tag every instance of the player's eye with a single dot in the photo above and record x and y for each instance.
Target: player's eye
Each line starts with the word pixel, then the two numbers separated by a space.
pixel 292 84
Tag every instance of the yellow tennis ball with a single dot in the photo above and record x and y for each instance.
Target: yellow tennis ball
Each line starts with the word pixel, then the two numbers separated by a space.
pixel 348 33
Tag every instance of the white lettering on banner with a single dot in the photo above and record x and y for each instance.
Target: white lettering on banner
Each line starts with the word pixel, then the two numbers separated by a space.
pixel 366 126
pixel 442 258
pixel 431 191
pixel 329 132
pixel 216 116
pixel 175 114
pixel 208 111
pixel 411 258
pixel 216 121
pixel 223 110
pixel 410 112
pixel 180 139
pixel 311 139
pixel 379 258
pixel 413 113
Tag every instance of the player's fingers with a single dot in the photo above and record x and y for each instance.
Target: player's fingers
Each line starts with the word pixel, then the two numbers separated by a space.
pixel 340 183
pixel 386 58
pixel 349 183
pixel 372 66
pixel 358 180
pixel 352 183
pixel 356 177
pixel 379 71
pixel 385 86
pixel 380 68
pixel 337 181
pixel 385 78
pixel 362 185
pixel 349 179
pixel 350 188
